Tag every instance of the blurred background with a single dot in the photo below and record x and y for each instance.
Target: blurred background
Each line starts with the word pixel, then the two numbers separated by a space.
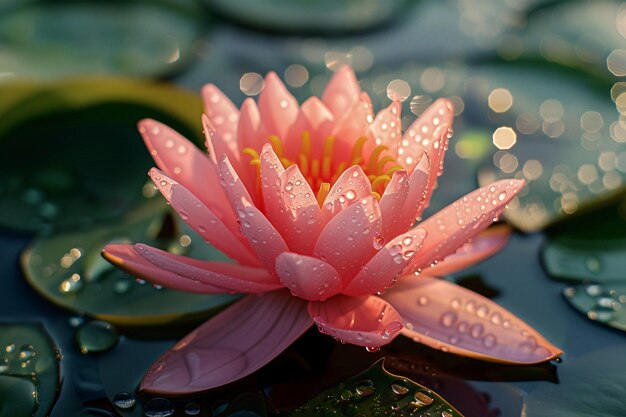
pixel 539 92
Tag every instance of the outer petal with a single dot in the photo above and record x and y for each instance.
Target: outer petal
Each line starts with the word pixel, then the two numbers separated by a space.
pixel 346 242
pixel 451 227
pixel 219 230
pixel 364 321
pixel 302 220
pixel 187 274
pixel 231 345
pixel 341 92
pixel 453 319
pixel 307 277
pixel 180 160
pixel 351 186
pixel 271 170
pixel 419 193
pixel 278 107
pixel 382 271
pixel 392 204
pixel 251 132
pixel 482 246
pixel 387 127
pixel 224 117
pixel 265 240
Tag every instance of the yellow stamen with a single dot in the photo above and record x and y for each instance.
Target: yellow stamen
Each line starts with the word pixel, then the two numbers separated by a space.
pixel 249 151
pixel 327 157
pixel 380 181
pixel 371 166
pixel 322 193
pixel 358 148
pixel 393 169
pixel 277 145
pixel 315 168
pixel 303 163
pixel 286 162
pixel 376 195
pixel 339 171
pixel 305 144
pixel 382 162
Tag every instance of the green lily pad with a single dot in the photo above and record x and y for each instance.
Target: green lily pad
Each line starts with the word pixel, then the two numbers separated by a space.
pixel 86 161
pixel 602 303
pixel 68 270
pixel 318 17
pixel 50 39
pixel 29 371
pixel 377 393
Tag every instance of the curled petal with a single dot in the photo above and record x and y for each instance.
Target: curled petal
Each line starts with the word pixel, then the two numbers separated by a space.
pixel 351 186
pixel 278 107
pixel 264 239
pixel 364 321
pixel 346 240
pixel 180 160
pixel 451 227
pixel 392 203
pixel 231 345
pixel 341 91
pixel 453 319
pixel 419 193
pixel 387 127
pixel 188 274
pixel 307 277
pixel 215 228
pixel 382 271
pixel 224 117
pixel 481 247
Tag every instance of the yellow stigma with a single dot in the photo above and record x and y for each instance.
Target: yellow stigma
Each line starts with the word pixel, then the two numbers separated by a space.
pixel 322 172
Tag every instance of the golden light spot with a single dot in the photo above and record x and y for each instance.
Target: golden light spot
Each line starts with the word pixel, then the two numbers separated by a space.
pixel 507 162
pixel 620 21
pixel 617 90
pixel 532 169
pixel 527 123
pixel 335 60
pixel 620 103
pixel 296 75
pixel 251 83
pixel 553 129
pixel 612 180
pixel 458 104
pixel 184 241
pixel 500 100
pixel 616 62
pixel 618 131
pixel 591 121
pixel 587 174
pixel 362 58
pixel 66 261
pixel 432 79
pixel 620 162
pixel 606 161
pixel 504 137
pixel 398 89
pixel 551 110
pixel 419 104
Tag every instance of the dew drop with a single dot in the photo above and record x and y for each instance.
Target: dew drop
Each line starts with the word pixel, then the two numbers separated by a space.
pixel 124 400
pixel 96 336
pixel 158 407
pixel 448 319
pixel 400 387
pixel 192 409
pixel 423 399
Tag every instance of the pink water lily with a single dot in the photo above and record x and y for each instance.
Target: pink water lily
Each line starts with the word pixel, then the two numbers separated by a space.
pixel 316 203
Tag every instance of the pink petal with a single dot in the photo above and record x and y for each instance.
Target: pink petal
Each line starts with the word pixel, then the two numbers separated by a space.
pixel 454 225
pixel 354 124
pixel 392 203
pixel 419 193
pixel 351 186
pixel 382 271
pixel 316 119
pixel 251 133
pixel 453 319
pixel 364 321
pixel 307 277
pixel 215 228
pixel 265 240
pixel 224 117
pixel 278 107
pixel 188 274
pixel 231 345
pixel 180 160
pixel 387 127
pixel 481 247
pixel 341 92
pixel 346 240
pixel 302 218
pixel 271 170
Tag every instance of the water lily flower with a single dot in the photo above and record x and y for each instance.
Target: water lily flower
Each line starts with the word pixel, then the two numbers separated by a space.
pixel 317 203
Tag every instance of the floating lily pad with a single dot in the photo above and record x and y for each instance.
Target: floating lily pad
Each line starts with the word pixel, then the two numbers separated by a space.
pixel 86 161
pixel 29 371
pixel 377 393
pixel 602 303
pixel 68 270
pixel 324 16
pixel 45 39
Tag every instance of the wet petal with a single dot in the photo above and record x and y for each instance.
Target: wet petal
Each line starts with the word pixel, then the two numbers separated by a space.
pixel 188 274
pixel 351 186
pixel 382 271
pixel 251 133
pixel 419 193
pixel 302 219
pixel 346 240
pixel 341 92
pixel 231 345
pixel 364 321
pixel 453 319
pixel 354 124
pixel 180 160
pixel 224 117
pixel 451 227
pixel 271 170
pixel 487 243
pixel 392 204
pixel 307 277
pixel 215 228
pixel 387 127
pixel 278 107
pixel 316 119
pixel 265 240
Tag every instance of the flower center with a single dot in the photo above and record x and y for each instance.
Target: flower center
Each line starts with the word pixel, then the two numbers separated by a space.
pixel 319 171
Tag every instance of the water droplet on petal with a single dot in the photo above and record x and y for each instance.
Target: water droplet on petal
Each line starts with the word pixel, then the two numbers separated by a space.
pixel 123 400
